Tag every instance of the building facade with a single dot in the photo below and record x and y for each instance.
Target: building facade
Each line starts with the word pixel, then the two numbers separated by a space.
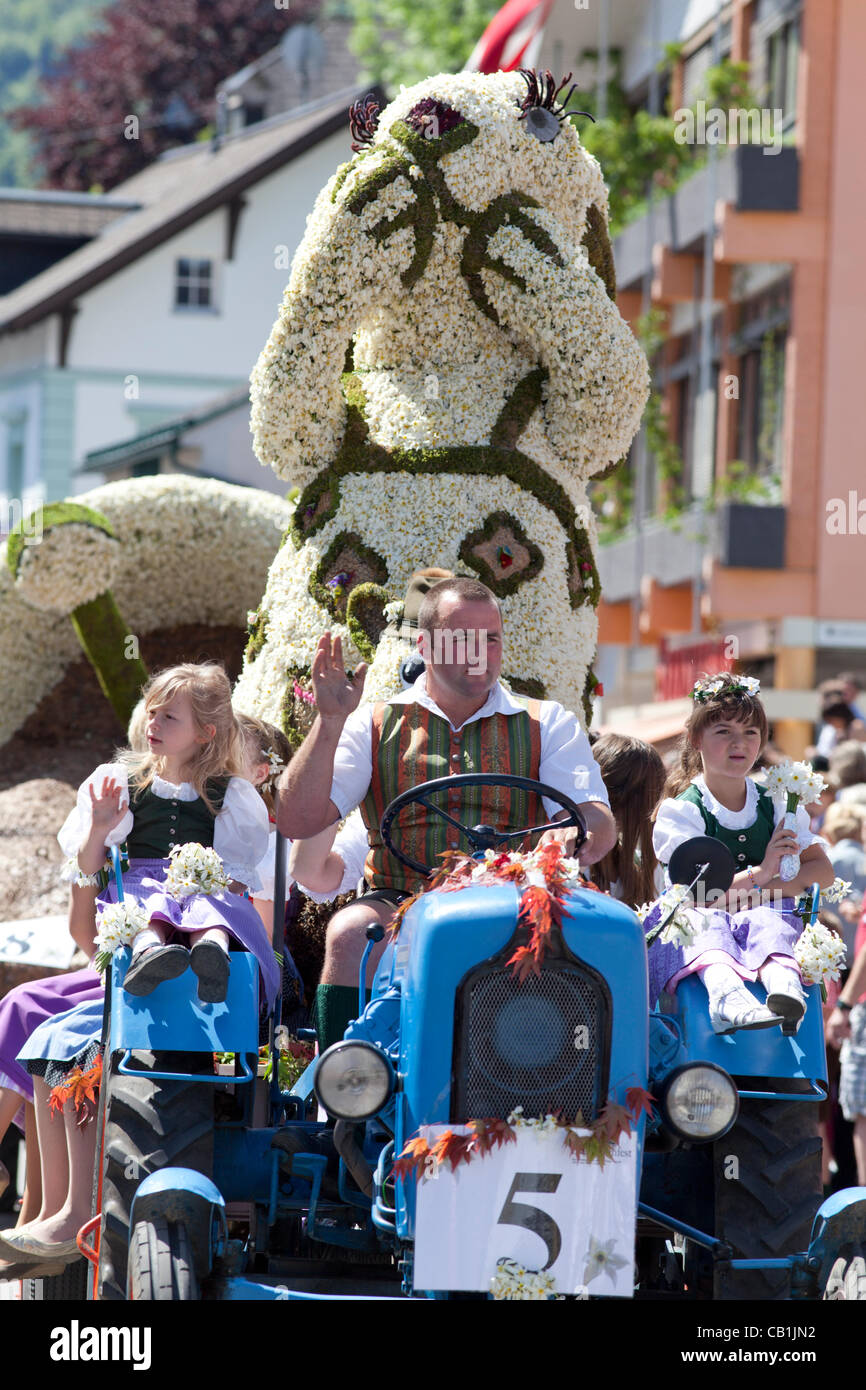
pixel 753 268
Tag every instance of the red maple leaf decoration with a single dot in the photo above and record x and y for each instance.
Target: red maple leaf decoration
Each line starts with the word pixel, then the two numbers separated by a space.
pixel 614 1120
pixel 412 1158
pixel 81 1087
pixel 639 1101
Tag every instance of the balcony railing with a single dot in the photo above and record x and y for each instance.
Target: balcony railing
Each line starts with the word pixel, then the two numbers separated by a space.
pixel 681 662
pixel 745 176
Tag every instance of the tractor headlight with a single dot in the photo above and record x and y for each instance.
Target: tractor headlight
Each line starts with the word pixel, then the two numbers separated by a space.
pixel 353 1080
pixel 699 1102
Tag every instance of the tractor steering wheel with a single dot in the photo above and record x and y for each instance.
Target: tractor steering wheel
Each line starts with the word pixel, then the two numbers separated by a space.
pixel 480 837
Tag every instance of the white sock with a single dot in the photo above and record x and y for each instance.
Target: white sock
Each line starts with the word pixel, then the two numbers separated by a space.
pixel 778 978
pixel 720 979
pixel 148 937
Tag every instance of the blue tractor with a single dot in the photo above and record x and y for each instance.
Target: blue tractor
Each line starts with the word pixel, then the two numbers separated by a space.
pixel 230 1188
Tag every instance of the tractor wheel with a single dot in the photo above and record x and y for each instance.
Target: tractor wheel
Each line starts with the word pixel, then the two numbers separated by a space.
pixel 68 1287
pixel 847 1278
pixel 767 1173
pixel 161 1268
pixel 148 1125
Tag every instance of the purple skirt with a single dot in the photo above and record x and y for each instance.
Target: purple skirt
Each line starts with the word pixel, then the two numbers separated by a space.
pixel 743 939
pixel 25 1007
pixel 229 911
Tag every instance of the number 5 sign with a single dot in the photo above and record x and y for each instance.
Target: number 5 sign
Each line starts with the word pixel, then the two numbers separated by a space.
pixel 533 1202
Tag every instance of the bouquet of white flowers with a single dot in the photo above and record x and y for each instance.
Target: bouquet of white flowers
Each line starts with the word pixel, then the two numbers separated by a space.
pixel 117 924
pixel 837 892
pixel 799 785
pixel 680 928
pixel 513 1281
pixel 820 954
pixel 194 869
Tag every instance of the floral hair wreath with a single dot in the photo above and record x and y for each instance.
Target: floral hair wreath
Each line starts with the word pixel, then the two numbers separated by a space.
pixel 275 763
pixel 733 685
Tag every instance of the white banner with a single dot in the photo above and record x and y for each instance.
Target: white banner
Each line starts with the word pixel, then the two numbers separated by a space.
pixel 534 1202
pixel 37 941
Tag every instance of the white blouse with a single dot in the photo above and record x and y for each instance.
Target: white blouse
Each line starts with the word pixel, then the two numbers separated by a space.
pixel 241 827
pixel 350 844
pixel 678 820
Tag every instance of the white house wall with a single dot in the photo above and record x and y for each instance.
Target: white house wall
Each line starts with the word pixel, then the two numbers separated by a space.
pixel 227 452
pixel 134 361
pixel 129 324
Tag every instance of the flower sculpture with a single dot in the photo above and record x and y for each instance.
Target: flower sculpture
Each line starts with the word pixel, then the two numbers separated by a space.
pixel 447 372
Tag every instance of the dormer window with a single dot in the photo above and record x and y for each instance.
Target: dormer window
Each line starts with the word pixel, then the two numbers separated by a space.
pixel 193 284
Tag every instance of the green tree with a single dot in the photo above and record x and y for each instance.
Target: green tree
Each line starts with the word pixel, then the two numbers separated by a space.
pixel 407 40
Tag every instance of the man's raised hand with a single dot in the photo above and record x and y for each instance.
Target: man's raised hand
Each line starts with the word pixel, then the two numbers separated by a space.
pixel 336 695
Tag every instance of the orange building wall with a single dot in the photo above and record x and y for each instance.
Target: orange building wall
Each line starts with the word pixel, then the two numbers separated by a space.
pixel 842 467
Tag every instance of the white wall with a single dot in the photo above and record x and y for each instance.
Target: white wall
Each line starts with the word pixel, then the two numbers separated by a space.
pixel 227 452
pixel 128 323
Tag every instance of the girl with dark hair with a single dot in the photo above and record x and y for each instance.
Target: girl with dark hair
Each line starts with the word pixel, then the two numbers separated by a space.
pixel 710 792
pixel 633 774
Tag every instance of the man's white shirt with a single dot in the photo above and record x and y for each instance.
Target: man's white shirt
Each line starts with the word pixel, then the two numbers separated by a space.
pixel 566 761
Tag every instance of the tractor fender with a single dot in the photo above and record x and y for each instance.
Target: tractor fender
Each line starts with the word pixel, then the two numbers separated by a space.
pixel 839 1221
pixel 182 1194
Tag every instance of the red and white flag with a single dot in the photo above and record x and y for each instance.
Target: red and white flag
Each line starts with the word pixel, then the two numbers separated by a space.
pixel 512 39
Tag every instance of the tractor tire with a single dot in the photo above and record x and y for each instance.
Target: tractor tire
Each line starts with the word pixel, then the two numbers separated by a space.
pixel 161 1267
pixel 847 1278
pixel 148 1125
pixel 767 1176
pixel 68 1287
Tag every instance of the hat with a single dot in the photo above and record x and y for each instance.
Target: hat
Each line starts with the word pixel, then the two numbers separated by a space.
pixel 420 584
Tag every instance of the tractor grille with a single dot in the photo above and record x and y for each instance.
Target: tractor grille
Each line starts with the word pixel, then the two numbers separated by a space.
pixel 542 1044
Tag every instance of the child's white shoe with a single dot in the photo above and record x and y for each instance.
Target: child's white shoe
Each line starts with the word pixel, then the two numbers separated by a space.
pixel 785 994
pixel 737 1009
pixel 732 1007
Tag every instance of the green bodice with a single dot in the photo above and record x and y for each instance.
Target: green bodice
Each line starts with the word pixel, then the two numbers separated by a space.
pixel 748 845
pixel 162 822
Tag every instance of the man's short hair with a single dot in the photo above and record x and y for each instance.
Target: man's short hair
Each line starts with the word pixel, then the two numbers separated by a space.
pixel 468 590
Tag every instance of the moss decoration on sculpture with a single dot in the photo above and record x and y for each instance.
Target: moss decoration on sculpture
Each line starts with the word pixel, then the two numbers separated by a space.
pixel 451 313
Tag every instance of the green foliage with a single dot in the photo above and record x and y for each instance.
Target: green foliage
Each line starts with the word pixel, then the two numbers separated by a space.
pixel 405 41
pixel 614 495
pixel 740 483
pixel 33 36
pixel 638 151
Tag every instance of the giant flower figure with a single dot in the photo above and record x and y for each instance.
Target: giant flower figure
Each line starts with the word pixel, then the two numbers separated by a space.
pixel 447 371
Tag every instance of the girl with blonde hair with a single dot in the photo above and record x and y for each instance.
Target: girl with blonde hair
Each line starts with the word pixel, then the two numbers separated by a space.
pixel 187 787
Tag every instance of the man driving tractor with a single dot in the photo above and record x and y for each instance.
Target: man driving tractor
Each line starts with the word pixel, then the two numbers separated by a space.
pixel 457 717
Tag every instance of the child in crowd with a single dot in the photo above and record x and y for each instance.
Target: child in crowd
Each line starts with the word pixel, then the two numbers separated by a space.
pixel 710 792
pixel 633 774
pixel 30 1004
pixel 188 787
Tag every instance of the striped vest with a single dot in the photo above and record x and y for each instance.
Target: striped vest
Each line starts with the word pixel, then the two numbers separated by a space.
pixel 411 745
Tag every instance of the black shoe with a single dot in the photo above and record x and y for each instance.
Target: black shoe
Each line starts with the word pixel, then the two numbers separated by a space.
pixel 153 965
pixel 210 963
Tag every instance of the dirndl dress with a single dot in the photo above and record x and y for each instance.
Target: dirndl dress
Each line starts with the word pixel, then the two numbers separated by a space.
pixel 743 940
